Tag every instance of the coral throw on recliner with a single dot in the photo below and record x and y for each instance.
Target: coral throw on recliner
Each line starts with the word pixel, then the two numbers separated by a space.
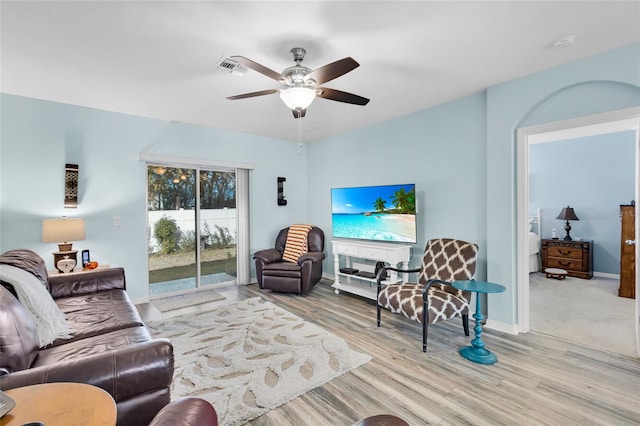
pixel 296 244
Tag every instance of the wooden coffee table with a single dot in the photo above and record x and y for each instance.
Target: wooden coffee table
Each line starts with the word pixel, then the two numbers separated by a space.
pixel 61 404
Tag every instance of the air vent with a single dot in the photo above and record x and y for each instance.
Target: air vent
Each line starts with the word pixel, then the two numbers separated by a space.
pixel 230 66
pixel 564 42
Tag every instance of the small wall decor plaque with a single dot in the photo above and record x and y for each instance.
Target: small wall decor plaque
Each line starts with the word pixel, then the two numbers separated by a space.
pixel 71 185
pixel 281 199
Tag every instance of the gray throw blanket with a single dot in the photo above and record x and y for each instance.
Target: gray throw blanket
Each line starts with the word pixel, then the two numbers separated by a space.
pixel 28 260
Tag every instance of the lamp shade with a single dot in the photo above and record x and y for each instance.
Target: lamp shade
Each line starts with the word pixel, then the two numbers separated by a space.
pixel 567 213
pixel 298 97
pixel 62 230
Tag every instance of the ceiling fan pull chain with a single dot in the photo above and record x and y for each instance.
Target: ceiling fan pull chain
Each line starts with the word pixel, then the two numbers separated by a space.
pixel 299 137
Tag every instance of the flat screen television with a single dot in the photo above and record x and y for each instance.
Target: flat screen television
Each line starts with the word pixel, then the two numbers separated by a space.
pixel 377 213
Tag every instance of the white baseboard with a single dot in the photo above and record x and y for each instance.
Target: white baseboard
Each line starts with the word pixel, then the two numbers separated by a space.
pixel 606 275
pixel 140 301
pixel 501 326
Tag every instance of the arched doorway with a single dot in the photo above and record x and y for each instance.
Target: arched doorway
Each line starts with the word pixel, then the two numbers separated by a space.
pixel 628 119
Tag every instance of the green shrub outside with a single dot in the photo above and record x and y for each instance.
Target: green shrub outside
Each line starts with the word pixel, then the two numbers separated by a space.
pixel 172 239
pixel 167 233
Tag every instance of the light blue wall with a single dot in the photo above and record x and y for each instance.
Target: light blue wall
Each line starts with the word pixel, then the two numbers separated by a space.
pixel 602 83
pixel 39 137
pixel 441 150
pixel 461 155
pixel 594 175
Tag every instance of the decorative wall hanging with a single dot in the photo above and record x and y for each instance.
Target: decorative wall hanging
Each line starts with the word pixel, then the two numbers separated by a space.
pixel 71 185
pixel 281 200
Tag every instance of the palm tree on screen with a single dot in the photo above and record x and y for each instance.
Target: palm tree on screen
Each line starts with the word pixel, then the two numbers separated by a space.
pixel 400 199
pixel 379 205
pixel 404 201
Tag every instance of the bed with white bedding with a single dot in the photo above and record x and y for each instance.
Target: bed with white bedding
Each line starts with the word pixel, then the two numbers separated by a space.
pixel 534 243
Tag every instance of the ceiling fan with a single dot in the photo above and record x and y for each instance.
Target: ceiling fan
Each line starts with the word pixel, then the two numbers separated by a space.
pixel 302 85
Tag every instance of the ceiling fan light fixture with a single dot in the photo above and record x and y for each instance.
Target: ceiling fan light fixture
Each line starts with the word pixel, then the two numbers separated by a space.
pixel 298 97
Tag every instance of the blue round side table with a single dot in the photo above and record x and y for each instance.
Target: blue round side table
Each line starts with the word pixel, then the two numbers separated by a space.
pixel 477 351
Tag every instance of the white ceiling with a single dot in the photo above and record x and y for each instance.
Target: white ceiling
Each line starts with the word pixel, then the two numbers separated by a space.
pixel 157 59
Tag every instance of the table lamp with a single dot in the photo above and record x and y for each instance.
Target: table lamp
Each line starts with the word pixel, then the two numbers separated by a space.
pixel 65 230
pixel 567 214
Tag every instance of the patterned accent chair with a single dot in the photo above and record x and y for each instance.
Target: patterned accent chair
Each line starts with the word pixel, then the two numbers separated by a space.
pixel 445 260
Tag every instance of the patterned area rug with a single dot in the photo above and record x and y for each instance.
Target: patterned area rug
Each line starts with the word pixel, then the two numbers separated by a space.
pixel 249 357
pixel 176 302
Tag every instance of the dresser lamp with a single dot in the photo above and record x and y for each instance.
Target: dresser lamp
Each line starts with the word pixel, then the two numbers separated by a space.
pixel 65 230
pixel 567 214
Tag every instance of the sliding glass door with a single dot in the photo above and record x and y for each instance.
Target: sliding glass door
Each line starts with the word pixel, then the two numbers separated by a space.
pixel 217 219
pixel 191 228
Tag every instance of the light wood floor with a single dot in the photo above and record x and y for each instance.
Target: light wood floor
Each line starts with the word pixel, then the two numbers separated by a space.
pixel 538 380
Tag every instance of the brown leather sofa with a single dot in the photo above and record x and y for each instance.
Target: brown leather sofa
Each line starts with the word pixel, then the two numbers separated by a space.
pixel 277 275
pixel 110 347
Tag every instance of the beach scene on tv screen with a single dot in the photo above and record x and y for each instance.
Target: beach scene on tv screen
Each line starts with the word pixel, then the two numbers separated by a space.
pixel 379 213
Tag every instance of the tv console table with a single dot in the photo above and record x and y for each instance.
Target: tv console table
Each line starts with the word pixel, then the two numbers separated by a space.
pixel 396 255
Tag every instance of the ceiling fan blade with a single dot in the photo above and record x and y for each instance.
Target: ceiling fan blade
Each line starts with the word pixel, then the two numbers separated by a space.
pixel 257 67
pixel 299 113
pixel 253 94
pixel 332 70
pixel 340 96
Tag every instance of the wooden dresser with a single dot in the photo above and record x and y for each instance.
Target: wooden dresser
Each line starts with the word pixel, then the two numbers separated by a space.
pixel 576 257
pixel 627 253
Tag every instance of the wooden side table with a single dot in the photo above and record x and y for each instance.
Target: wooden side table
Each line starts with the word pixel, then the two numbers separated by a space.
pixel 477 351
pixel 79 270
pixel 61 404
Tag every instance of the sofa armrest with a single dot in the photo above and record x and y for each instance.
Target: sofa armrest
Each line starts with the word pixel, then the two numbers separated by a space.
pixel 186 412
pixel 314 256
pixel 65 285
pixel 123 373
pixel 268 256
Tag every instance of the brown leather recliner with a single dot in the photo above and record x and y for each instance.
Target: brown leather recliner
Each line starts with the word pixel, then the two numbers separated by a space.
pixel 277 275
